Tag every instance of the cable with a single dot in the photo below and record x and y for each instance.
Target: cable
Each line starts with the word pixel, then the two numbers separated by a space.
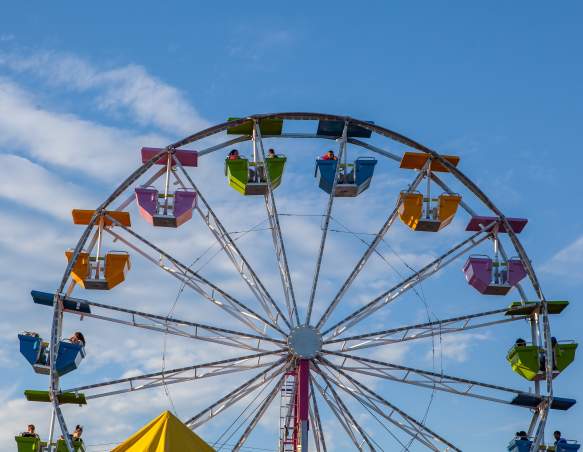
pixel 179 293
pixel 251 413
pixel 420 295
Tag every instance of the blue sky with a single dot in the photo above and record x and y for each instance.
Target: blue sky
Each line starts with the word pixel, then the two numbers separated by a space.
pixel 82 90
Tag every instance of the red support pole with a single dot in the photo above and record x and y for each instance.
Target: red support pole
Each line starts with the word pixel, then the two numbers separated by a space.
pixel 302 405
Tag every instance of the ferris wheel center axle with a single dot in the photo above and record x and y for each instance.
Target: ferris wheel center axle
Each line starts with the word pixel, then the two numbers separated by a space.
pixel 304 342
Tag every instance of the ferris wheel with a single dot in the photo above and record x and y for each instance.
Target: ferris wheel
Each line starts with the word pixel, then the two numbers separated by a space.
pixel 313 355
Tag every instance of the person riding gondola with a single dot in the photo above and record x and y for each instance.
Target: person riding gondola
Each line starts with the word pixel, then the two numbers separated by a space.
pixel 76 435
pixel 30 432
pixel 558 438
pixel 77 338
pixel 329 156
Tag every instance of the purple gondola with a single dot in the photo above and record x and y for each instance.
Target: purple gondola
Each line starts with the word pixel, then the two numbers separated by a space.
pixel 494 276
pixel 167 209
pixel 167 213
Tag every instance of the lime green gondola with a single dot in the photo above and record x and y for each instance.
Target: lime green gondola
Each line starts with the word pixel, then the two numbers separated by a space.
pixel 526 360
pixel 27 444
pixel 249 178
pixel 77 446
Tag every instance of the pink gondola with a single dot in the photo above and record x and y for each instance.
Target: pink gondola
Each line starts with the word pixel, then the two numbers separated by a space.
pixel 167 209
pixel 171 214
pixel 494 276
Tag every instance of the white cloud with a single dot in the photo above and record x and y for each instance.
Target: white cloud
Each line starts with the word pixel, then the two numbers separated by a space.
pixel 147 100
pixel 394 353
pixel 455 347
pixel 568 262
pixel 65 140
pixel 26 183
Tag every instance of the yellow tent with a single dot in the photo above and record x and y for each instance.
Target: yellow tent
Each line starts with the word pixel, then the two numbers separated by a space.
pixel 164 434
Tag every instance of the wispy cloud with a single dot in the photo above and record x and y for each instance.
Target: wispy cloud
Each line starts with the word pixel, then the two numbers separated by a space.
pixel 130 88
pixel 65 140
pixel 567 263
pixel 28 184
pixel 456 347
pixel 252 45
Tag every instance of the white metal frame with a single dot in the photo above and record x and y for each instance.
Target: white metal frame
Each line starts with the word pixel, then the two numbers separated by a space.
pixel 268 335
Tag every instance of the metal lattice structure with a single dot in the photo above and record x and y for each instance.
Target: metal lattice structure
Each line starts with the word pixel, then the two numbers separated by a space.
pixel 309 361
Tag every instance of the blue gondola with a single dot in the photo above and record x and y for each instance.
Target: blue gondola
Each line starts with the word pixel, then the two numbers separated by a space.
pixel 519 445
pixel 33 349
pixel 353 178
pixel 569 446
pixel 69 355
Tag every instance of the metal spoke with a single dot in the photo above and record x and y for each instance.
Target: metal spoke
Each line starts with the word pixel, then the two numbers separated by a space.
pixel 238 393
pixel 367 254
pixel 192 280
pixel 424 378
pixel 337 412
pixel 179 375
pixel 409 282
pixel 203 286
pixel 234 253
pixel 371 405
pixel 344 408
pixel 259 414
pixel 170 325
pixel 315 432
pixel 327 217
pixel 317 422
pixel 419 426
pixel 278 244
pixel 225 303
pixel 422 330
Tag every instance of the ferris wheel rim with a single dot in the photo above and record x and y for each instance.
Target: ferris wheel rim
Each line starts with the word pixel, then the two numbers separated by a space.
pixel 213 130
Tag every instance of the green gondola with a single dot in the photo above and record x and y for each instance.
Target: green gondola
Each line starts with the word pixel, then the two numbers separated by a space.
pixel 526 360
pixel 249 178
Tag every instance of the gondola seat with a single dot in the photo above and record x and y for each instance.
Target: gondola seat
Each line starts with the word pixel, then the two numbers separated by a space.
pixel 117 263
pixel 413 211
pixel 178 209
pixel 353 178
pixel 249 178
pixel 491 278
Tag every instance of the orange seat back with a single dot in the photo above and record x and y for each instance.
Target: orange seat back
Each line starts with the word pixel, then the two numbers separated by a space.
pixel 117 263
pixel 410 208
pixel 447 208
pixel 80 271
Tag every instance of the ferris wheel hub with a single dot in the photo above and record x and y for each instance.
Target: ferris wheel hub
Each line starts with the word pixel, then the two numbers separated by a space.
pixel 305 342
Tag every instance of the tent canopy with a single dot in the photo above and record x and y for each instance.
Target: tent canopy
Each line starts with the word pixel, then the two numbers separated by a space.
pixel 164 434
